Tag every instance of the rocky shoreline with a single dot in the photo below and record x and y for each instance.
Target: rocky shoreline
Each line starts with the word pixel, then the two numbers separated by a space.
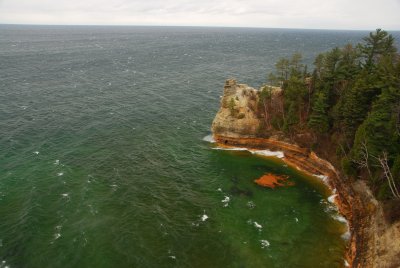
pixel 372 240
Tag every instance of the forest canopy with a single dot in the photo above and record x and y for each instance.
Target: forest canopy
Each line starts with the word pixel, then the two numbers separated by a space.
pixel 351 99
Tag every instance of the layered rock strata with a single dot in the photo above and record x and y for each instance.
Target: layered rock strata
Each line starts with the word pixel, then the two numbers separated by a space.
pixel 372 241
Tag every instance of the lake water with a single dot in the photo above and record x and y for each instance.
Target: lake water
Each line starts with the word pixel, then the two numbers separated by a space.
pixel 103 162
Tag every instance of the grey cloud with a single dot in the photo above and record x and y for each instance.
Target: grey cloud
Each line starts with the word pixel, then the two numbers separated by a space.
pixel 353 14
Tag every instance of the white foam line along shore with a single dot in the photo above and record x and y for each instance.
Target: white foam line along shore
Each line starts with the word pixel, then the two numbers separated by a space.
pixel 281 155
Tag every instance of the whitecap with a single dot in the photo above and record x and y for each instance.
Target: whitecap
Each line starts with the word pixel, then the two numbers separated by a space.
pixel 36 152
pixel 257 225
pixel 226 199
pixel 56 162
pixel 57 236
pixel 219 190
pixel 296 219
pixel 204 217
pixel 60 174
pixel 65 195
pixel 251 204
pixel 209 138
pixel 264 243
pixel 172 257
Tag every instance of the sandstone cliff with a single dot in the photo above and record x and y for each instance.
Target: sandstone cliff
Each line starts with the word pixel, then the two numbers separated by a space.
pixel 374 242
pixel 237 114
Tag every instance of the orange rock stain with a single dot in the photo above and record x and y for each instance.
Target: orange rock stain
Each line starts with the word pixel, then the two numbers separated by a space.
pixel 271 181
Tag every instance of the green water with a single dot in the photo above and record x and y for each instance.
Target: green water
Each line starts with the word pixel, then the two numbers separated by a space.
pixel 103 162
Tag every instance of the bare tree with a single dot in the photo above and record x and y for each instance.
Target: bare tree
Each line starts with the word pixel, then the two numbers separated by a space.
pixel 363 162
pixel 383 161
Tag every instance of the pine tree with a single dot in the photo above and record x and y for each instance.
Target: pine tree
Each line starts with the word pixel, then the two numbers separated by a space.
pixel 319 120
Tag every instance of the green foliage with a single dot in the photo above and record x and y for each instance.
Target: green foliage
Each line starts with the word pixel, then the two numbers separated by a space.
pixel 291 119
pixel 354 97
pixel 319 120
pixel 231 106
pixel 396 169
pixel 377 44
pixel 378 131
pixel 348 167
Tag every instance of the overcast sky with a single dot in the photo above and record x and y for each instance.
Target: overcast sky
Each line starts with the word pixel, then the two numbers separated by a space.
pixel 315 14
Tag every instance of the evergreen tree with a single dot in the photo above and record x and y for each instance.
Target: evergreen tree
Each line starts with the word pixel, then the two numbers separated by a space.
pixel 319 121
pixel 376 44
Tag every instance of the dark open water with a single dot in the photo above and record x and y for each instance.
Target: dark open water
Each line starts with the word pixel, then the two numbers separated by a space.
pixel 103 163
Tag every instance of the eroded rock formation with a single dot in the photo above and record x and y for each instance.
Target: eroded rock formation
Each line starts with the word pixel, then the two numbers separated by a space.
pixel 373 241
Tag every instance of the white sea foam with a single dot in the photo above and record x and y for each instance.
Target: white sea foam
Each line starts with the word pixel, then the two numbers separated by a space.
pixel 226 199
pixel 57 236
pixel 172 257
pixel 346 263
pixel 340 218
pixel 56 162
pixel 324 178
pixel 231 149
pixel 296 219
pixel 251 204
pixel 346 236
pixel 219 190
pixel 257 225
pixel 264 243
pixel 209 138
pixel 278 154
pixel 65 195
pixel 268 153
pixel 204 217
pixel 36 152
pixel 60 174
pixel 332 198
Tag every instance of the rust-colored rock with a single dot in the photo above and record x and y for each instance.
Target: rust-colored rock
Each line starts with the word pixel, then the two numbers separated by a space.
pixel 271 181
pixel 373 242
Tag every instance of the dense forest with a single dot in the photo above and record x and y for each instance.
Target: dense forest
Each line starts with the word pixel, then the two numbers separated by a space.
pixel 348 106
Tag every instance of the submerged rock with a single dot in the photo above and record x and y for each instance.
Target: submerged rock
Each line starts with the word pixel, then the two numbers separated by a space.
pixel 237 191
pixel 271 181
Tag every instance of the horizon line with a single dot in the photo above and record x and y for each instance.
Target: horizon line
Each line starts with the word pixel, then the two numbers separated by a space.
pixel 194 26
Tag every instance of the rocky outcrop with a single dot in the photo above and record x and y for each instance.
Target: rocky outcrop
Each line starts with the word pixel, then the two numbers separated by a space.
pixel 237 116
pixel 373 241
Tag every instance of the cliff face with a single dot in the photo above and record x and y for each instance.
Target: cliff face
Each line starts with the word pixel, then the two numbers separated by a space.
pixel 237 114
pixel 373 241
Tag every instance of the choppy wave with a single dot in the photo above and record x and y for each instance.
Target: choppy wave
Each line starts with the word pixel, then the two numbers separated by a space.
pixel 106 144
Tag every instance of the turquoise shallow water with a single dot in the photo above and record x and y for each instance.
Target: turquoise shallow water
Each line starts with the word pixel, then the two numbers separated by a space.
pixel 103 163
